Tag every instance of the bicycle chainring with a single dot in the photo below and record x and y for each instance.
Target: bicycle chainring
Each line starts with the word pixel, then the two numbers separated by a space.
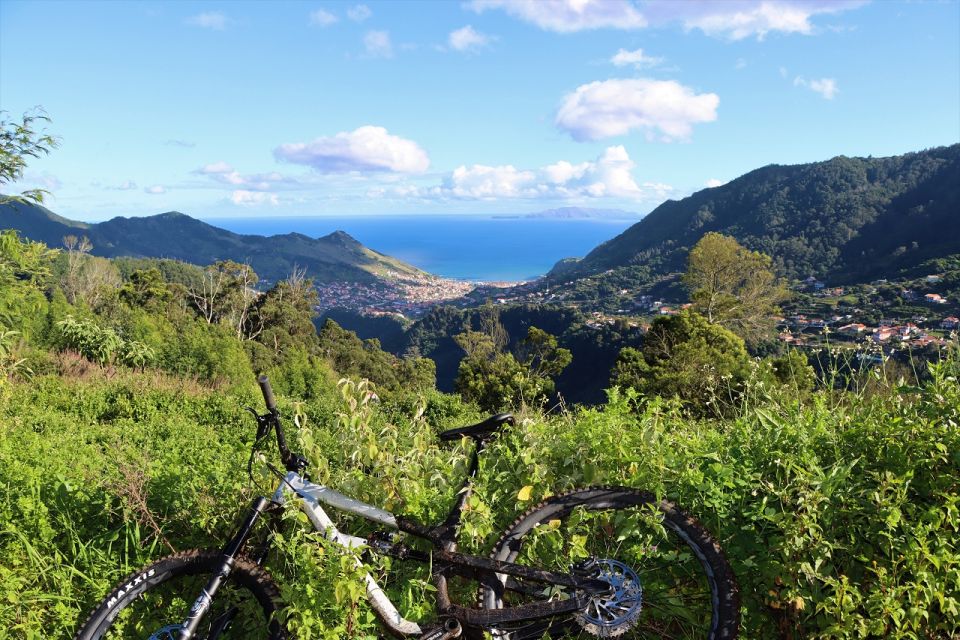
pixel 612 614
pixel 169 632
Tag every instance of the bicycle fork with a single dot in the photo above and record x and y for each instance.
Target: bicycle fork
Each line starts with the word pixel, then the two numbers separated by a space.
pixel 202 603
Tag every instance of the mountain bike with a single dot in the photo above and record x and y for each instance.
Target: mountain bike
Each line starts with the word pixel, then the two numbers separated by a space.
pixel 601 561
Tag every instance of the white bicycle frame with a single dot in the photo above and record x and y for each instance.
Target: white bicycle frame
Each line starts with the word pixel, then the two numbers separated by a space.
pixel 311 496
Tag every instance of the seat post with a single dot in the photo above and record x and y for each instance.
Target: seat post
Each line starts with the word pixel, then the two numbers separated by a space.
pixel 466 490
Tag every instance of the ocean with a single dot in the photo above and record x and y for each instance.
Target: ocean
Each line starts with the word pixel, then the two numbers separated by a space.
pixel 473 248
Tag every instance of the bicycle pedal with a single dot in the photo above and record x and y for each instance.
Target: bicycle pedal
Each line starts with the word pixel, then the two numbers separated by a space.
pixel 451 629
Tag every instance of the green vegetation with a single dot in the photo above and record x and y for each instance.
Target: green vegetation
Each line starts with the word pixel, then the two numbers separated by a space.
pixel 495 379
pixel 837 509
pixel 733 287
pixel 123 436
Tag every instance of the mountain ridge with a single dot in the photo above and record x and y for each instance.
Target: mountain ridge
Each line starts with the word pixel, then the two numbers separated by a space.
pixel 172 234
pixel 844 219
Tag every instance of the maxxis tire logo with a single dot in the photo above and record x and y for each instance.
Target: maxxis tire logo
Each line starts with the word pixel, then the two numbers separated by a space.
pixel 130 586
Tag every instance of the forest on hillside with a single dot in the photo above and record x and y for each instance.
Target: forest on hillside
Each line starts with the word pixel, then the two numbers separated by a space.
pixel 845 220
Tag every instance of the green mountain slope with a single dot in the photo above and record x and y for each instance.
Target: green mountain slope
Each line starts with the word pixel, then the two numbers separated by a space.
pixel 846 219
pixel 175 235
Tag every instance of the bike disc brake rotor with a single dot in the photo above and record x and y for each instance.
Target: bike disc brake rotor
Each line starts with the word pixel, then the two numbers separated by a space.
pixel 169 632
pixel 611 614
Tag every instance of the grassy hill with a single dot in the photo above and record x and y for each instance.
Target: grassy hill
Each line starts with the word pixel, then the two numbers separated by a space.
pixel 335 257
pixel 843 220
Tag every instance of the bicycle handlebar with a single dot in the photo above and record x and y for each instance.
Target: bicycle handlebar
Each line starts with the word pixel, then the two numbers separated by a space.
pixel 292 461
pixel 264 383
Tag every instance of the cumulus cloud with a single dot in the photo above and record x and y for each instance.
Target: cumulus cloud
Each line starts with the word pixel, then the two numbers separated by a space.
pixel 729 19
pixel 826 87
pixel 321 18
pixel 637 59
pixel 467 39
pixel 366 149
pixel 155 190
pixel 377 44
pixel 661 109
pixel 359 13
pixel 609 176
pixel 567 16
pixel 245 198
pixel 713 182
pixel 209 20
pixel 224 173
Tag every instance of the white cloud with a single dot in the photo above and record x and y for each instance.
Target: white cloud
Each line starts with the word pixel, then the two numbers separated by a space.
pixel 567 16
pixel 359 13
pixel 155 190
pixel 377 44
pixel 484 182
pixel 253 198
pixel 636 59
pixel 662 109
pixel 729 19
pixel 609 176
pixel 366 149
pixel 467 39
pixel 321 18
pixel 126 185
pixel 225 174
pixel 209 20
pixel 826 87
pixel 739 19
pixel 186 144
pixel 215 168
pixel 713 182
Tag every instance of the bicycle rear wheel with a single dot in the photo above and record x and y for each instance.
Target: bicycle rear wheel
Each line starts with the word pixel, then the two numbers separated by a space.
pixel 669 578
pixel 153 602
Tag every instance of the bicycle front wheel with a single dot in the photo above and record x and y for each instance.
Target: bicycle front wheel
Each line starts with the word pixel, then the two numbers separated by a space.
pixel 153 602
pixel 668 577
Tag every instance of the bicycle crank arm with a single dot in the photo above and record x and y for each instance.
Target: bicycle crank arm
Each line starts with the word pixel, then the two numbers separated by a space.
pixel 590 585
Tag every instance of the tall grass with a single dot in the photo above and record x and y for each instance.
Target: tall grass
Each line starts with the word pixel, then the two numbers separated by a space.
pixel 840 513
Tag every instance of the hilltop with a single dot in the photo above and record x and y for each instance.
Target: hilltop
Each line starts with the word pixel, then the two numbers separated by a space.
pixel 842 220
pixel 335 257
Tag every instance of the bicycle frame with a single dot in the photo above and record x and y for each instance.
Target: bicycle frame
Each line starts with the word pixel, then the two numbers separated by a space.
pixel 446 560
pixel 311 496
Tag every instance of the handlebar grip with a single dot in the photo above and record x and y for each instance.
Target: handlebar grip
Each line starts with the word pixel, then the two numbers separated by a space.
pixel 267 394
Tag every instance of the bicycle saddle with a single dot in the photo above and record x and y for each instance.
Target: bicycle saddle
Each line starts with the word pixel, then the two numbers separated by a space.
pixel 480 430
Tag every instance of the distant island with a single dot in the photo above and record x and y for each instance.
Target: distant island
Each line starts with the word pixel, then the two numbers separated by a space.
pixel 575 213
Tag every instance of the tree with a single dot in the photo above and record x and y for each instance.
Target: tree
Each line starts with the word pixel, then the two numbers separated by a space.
pixel 543 358
pixel 146 288
pixel 85 277
pixel 733 286
pixel 226 294
pixel 20 141
pixel 495 379
pixel 686 357
pixel 77 250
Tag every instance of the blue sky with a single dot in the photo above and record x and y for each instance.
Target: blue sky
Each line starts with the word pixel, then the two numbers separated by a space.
pixel 486 106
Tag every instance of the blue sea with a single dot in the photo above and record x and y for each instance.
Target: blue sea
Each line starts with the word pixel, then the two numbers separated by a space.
pixel 460 247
